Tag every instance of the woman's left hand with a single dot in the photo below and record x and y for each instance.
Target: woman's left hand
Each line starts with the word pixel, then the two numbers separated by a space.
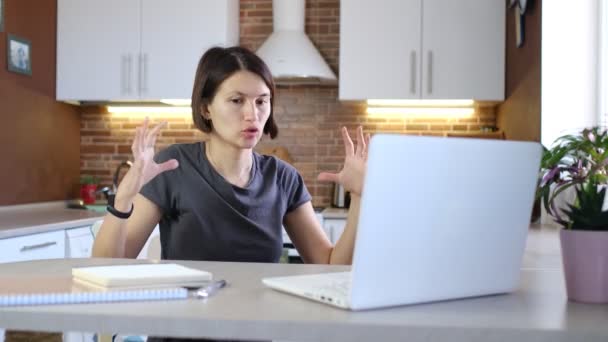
pixel 353 173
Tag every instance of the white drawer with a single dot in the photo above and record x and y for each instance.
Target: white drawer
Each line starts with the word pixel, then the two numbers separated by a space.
pixel 334 227
pixel 48 245
pixel 79 242
pixel 78 232
pixel 151 250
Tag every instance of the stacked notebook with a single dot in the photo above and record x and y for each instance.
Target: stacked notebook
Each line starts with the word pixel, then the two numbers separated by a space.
pixel 140 276
pixel 99 284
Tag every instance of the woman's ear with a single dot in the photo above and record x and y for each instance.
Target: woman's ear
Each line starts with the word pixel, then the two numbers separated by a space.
pixel 205 112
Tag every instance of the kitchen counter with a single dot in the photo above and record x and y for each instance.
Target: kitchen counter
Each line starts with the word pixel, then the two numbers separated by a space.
pixel 36 218
pixel 335 213
pixel 543 248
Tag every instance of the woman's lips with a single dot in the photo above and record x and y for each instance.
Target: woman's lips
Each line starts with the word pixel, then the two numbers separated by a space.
pixel 250 132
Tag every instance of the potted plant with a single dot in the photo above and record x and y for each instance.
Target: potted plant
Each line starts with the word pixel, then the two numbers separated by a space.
pixel 88 185
pixel 578 163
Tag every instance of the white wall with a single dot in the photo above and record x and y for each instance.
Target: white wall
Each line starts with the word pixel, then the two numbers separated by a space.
pixel 603 62
pixel 569 67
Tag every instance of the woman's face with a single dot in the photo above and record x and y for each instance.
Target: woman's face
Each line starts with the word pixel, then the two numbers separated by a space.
pixel 240 109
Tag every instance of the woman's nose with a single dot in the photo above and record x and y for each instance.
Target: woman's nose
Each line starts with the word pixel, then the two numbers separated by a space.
pixel 250 111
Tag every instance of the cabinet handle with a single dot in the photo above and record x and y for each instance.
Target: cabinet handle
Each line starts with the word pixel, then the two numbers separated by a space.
pixel 123 74
pixel 140 73
pixel 413 72
pixel 40 245
pixel 145 81
pixel 429 73
pixel 129 72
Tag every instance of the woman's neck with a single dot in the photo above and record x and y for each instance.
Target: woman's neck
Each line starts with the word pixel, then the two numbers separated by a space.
pixel 234 164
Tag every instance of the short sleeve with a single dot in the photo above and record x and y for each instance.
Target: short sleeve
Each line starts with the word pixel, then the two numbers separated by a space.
pixel 296 191
pixel 161 189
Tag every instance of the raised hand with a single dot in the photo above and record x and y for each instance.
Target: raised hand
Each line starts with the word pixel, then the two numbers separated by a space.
pixel 353 173
pixel 144 167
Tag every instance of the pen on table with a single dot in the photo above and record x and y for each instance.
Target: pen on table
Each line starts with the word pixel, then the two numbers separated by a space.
pixel 210 289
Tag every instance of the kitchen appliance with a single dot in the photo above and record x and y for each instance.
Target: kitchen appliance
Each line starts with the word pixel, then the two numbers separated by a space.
pixel 288 51
pixel 341 197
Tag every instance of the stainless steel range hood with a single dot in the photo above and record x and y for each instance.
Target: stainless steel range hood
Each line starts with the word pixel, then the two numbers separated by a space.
pixel 289 53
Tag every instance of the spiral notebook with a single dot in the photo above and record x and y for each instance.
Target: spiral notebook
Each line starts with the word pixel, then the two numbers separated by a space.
pixel 20 291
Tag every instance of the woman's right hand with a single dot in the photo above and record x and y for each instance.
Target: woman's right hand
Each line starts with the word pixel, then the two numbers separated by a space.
pixel 144 167
pixel 352 174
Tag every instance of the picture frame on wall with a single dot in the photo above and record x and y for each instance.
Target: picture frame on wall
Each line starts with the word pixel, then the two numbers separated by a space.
pixel 19 53
pixel 1 15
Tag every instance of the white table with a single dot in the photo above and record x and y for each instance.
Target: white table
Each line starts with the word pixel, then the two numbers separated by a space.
pixel 539 311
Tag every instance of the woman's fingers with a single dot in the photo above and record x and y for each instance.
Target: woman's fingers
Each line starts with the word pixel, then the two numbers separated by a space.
pixel 153 134
pixel 349 148
pixel 142 135
pixel 135 145
pixel 361 146
pixel 145 137
pixel 367 138
pixel 145 125
pixel 170 164
pixel 328 177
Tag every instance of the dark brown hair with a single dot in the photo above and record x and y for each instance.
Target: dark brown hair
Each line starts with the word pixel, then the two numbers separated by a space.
pixel 215 66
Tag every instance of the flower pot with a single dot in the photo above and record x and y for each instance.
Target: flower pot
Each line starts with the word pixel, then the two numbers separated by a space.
pixel 585 259
pixel 87 192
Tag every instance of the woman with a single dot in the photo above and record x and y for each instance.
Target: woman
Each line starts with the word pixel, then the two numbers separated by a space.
pixel 219 200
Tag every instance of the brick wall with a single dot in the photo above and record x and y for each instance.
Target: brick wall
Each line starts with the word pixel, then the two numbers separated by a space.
pixel 309 117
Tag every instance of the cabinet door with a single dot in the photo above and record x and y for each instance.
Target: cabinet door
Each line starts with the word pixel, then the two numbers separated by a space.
pixel 463 49
pixel 79 242
pixel 97 45
pixel 151 249
pixel 380 49
pixel 175 34
pixel 334 227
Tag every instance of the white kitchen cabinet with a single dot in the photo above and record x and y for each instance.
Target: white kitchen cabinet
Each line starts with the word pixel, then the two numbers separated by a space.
pixel 48 245
pixel 73 336
pixel 152 247
pixel 422 49
pixel 113 50
pixel 79 242
pixel 98 45
pixel 291 251
pixel 379 49
pixel 334 227
pixel 171 48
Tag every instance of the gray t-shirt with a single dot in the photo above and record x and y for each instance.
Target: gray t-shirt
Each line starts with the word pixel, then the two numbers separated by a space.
pixel 207 218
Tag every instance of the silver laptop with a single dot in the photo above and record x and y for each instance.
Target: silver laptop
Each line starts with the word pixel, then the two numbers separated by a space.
pixel 441 218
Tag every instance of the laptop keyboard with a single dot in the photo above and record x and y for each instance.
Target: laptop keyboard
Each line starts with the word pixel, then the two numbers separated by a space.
pixel 335 283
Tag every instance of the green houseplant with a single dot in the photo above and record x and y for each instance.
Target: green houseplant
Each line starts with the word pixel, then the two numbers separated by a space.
pixel 578 164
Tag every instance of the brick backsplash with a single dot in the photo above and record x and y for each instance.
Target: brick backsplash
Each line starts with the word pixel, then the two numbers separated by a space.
pixel 309 117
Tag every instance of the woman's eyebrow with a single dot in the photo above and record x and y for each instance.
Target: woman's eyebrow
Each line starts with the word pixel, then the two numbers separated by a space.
pixel 243 94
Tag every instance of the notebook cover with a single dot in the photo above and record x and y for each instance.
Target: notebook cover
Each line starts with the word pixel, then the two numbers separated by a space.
pixel 18 291
pixel 184 284
pixel 141 275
